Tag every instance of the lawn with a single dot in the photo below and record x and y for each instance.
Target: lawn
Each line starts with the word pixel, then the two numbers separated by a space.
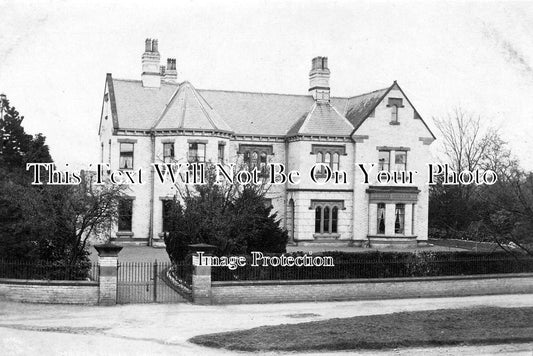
pixel 422 328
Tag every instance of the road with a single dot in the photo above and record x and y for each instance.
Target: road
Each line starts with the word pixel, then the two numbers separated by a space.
pixel 163 329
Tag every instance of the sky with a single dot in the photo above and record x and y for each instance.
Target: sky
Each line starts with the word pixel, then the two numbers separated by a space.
pixel 473 55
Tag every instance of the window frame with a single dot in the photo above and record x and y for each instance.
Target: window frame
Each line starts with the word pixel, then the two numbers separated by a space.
pixel 381 166
pixel 128 215
pixel 165 213
pixel 328 155
pixel 172 152
pixel 221 153
pixel 195 146
pixel 397 164
pixel 379 221
pixel 399 219
pixel 326 217
pixel 256 156
pixel 125 154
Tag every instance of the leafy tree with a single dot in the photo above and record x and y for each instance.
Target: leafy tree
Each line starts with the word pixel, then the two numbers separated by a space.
pixel 46 222
pixel 235 220
pixel 17 147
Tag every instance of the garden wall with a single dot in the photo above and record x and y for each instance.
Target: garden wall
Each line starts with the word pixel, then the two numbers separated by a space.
pixel 57 292
pixel 361 289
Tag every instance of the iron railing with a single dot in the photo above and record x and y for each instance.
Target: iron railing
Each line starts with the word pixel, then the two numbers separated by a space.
pixel 46 270
pixel 380 268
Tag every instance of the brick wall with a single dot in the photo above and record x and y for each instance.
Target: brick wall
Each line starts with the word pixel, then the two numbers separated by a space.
pixel 387 288
pixel 57 292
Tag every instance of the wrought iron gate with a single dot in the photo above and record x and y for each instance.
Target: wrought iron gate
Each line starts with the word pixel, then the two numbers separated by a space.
pixel 144 282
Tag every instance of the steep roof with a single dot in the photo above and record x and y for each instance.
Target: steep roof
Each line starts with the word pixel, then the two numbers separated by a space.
pixel 187 109
pixel 323 119
pixel 181 106
pixel 358 107
pixel 138 107
pixel 258 113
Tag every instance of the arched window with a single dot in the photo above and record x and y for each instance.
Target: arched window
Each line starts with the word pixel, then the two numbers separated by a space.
pixel 327 228
pixel 246 159
pixel 254 160
pixel 318 219
pixel 263 162
pixel 335 162
pixel 320 159
pixel 327 217
pixel 327 159
pixel 381 218
pixel 334 217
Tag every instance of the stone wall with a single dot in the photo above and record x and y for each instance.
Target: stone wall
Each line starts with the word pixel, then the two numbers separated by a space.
pixel 56 292
pixel 385 288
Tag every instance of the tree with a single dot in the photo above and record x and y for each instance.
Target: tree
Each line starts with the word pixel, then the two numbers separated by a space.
pixel 46 222
pixel 17 147
pixel 466 147
pixel 235 220
pixel 502 212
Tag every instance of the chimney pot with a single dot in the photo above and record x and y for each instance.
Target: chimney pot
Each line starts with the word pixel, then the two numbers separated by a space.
pixel 151 70
pixel 319 79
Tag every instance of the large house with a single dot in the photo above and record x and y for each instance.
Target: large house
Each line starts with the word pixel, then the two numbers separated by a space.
pixel 158 119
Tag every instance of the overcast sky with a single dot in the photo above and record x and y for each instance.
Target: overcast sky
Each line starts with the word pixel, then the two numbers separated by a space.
pixel 474 55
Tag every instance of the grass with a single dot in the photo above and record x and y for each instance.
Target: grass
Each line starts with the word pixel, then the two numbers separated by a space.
pixel 406 329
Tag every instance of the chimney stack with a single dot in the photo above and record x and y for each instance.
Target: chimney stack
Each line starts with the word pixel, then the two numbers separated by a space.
pixel 171 74
pixel 150 75
pixel 319 79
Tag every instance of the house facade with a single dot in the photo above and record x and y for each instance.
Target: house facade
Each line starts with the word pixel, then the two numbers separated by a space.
pixel 158 119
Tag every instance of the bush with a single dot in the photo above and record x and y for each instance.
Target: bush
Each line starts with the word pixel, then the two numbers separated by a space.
pixel 385 265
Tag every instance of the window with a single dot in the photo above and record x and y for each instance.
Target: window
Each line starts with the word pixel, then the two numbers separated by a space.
pixel 329 155
pixel 196 152
pixel 384 160
pixel 381 219
pixel 395 104
pixel 394 113
pixel 102 152
pixel 256 156
pixel 167 209
pixel 326 216
pixel 318 219
pixel 125 210
pixel 335 162
pixel 334 218
pixel 168 152
pixel 221 153
pixel 126 155
pixel 400 160
pixel 263 162
pixel 320 159
pixel 399 219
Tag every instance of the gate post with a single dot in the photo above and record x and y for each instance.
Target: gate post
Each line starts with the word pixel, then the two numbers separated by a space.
pixel 108 262
pixel 201 276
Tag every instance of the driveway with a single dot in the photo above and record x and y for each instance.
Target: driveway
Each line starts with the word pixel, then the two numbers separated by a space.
pixel 163 329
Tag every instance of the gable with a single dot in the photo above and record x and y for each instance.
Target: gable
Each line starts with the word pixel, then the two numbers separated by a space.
pixel 408 121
